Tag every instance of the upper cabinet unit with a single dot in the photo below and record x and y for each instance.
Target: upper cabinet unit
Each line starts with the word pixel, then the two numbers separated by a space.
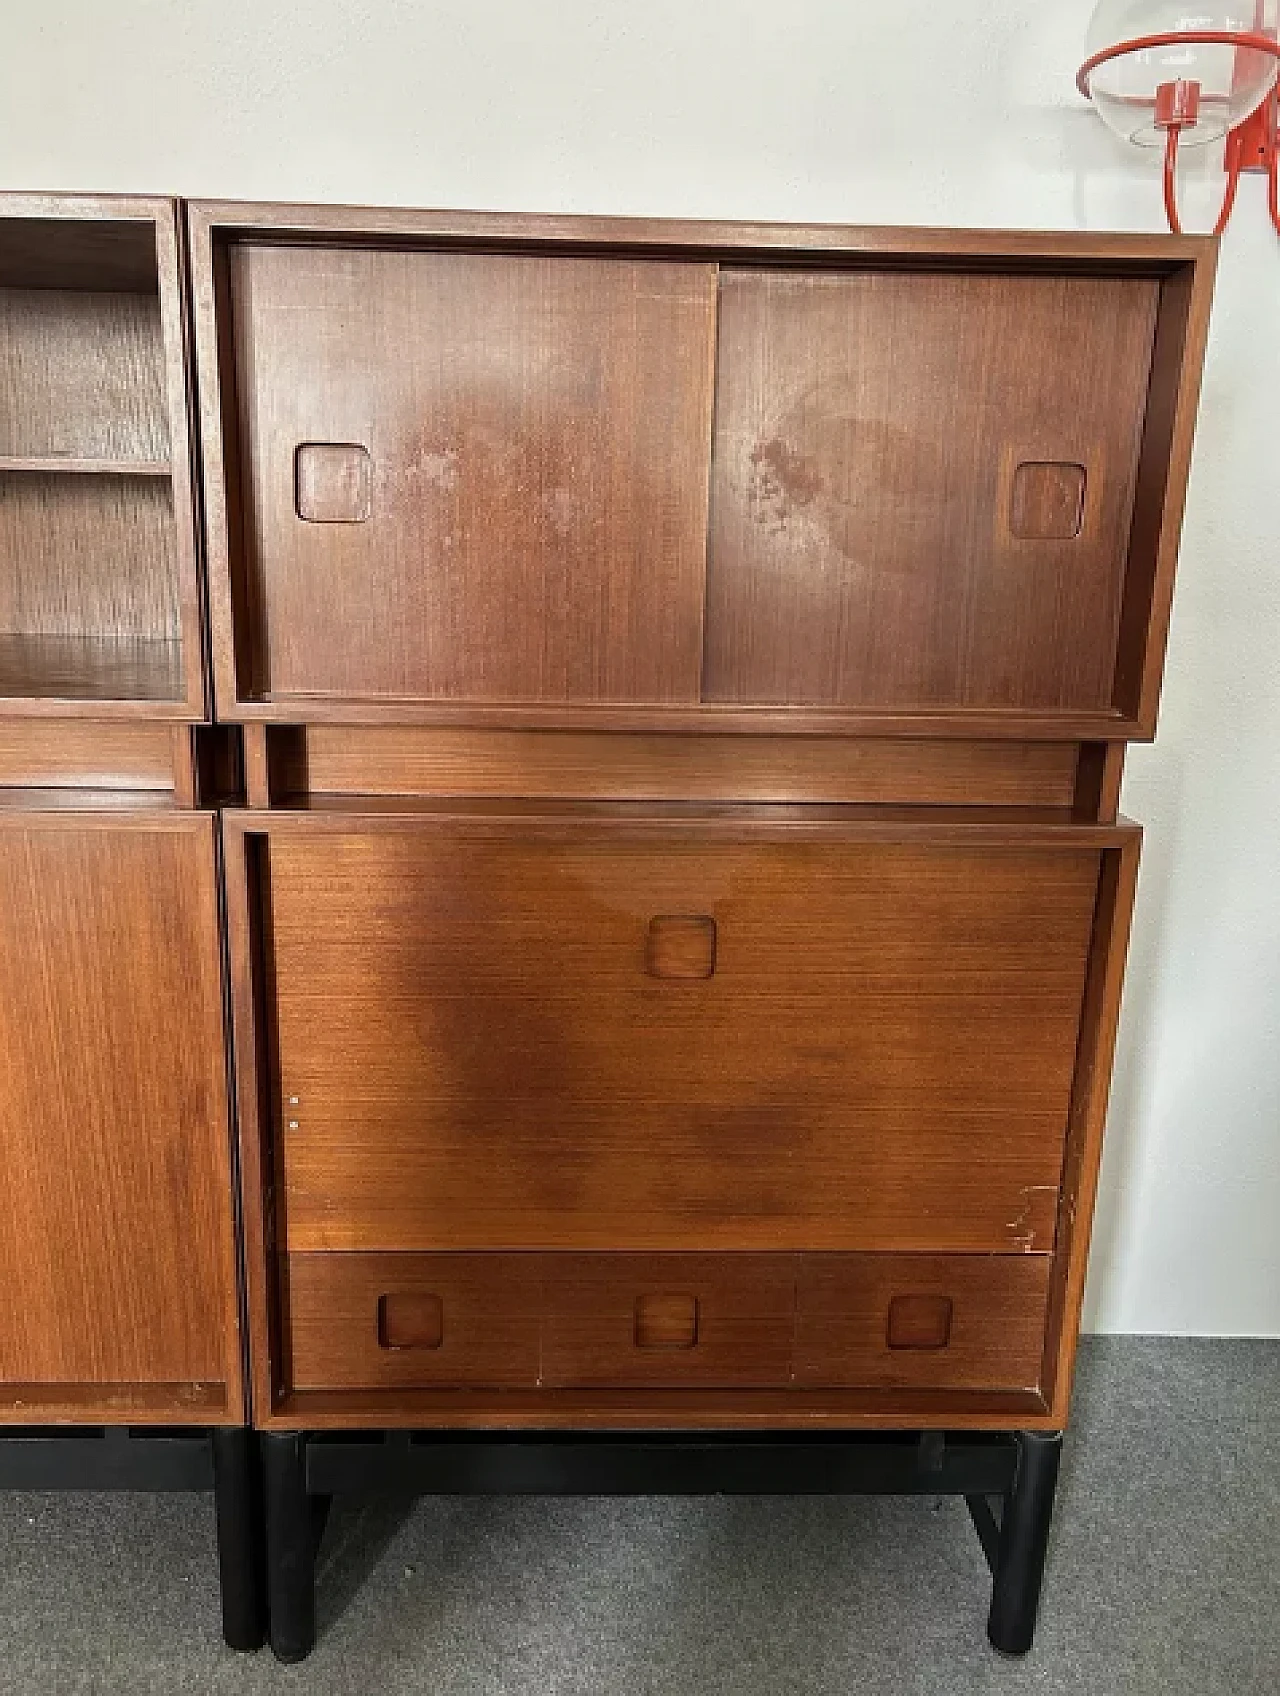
pixel 99 592
pixel 605 473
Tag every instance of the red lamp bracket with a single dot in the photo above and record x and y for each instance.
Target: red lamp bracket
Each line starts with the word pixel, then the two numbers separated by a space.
pixel 1253 145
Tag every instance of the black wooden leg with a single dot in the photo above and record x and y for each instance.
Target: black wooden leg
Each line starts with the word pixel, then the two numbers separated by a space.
pixel 1024 1539
pixel 290 1546
pixel 237 1496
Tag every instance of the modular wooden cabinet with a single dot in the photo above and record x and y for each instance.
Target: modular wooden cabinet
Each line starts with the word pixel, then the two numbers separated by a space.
pixel 118 1281
pixel 651 813
pixel 678 919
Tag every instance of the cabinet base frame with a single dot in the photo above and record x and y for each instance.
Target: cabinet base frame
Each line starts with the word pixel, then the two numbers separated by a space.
pixel 223 1459
pixel 1016 1469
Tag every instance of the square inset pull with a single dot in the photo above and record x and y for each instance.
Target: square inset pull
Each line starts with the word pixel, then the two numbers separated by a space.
pixel 919 1322
pixel 1047 503
pixel 332 482
pixel 410 1321
pixel 666 1321
pixel 681 946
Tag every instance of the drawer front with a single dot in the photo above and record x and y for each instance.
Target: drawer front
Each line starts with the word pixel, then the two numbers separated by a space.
pixel 670 1322
pixel 410 1321
pixel 503 1039
pixel 955 1322
pixel 505 1321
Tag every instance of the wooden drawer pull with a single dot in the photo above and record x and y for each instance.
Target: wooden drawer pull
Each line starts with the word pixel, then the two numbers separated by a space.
pixel 919 1322
pixel 332 482
pixel 410 1322
pixel 666 1322
pixel 1048 501
pixel 681 946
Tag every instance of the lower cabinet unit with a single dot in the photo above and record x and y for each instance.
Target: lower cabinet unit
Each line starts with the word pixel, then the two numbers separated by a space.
pixel 557 1114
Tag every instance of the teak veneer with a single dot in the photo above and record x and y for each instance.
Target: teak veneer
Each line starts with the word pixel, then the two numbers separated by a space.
pixel 678 919
pixel 121 1343
pixel 100 598
pixel 672 683
pixel 685 671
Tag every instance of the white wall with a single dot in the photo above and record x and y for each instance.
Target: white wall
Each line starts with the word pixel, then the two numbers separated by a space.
pixel 816 109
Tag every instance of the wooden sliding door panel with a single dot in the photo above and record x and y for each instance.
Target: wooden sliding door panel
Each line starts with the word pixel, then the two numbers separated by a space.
pixel 501 1037
pixel 922 487
pixel 115 1233
pixel 474 476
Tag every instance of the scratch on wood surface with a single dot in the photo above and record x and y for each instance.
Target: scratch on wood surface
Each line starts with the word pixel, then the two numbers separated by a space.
pixel 1021 1227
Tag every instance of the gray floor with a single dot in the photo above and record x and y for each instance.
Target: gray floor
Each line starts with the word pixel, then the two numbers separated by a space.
pixel 1164 1576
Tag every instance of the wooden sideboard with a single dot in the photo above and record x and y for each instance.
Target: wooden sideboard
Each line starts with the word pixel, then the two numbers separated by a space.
pixel 650 812
pixel 678 919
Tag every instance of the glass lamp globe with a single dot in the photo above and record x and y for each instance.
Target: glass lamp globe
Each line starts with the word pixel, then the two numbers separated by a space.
pixel 1234 79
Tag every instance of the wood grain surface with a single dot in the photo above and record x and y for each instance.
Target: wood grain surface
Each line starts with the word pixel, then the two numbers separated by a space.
pixel 97 505
pixel 869 432
pixel 116 1251
pixel 668 1321
pixel 537 434
pixel 881 1059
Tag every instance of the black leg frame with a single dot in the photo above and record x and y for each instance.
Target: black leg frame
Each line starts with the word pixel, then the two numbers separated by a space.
pixel 1017 1470
pixel 224 1460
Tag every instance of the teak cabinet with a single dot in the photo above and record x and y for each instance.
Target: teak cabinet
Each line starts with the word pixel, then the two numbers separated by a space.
pixel 677 921
pixel 634 747
pixel 118 1268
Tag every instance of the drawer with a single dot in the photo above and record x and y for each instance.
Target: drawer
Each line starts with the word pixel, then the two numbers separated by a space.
pixel 665 1322
pixel 953 1322
pixel 578 1036
pixel 411 1321
pixel 668 1320
pixel 505 1321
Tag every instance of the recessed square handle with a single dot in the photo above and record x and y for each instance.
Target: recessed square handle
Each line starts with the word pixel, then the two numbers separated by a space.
pixel 919 1322
pixel 666 1320
pixel 410 1321
pixel 681 946
pixel 332 483
pixel 1047 501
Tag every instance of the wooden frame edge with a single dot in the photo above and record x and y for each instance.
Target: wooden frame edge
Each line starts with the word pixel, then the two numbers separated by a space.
pixel 1182 438
pixel 1100 1017
pixel 294 219
pixel 171 271
pixel 208 405
pixel 252 1139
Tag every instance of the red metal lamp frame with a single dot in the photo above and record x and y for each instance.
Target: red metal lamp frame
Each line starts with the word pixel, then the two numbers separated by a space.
pixel 1253 145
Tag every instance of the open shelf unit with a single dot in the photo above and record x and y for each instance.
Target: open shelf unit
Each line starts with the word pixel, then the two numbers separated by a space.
pixel 98 578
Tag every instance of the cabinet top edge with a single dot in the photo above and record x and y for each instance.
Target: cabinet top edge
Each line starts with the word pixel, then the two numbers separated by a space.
pixel 853 822
pixel 1155 253
pixel 106 208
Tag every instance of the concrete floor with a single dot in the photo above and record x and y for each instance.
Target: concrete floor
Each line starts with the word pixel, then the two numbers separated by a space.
pixel 1164 1576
